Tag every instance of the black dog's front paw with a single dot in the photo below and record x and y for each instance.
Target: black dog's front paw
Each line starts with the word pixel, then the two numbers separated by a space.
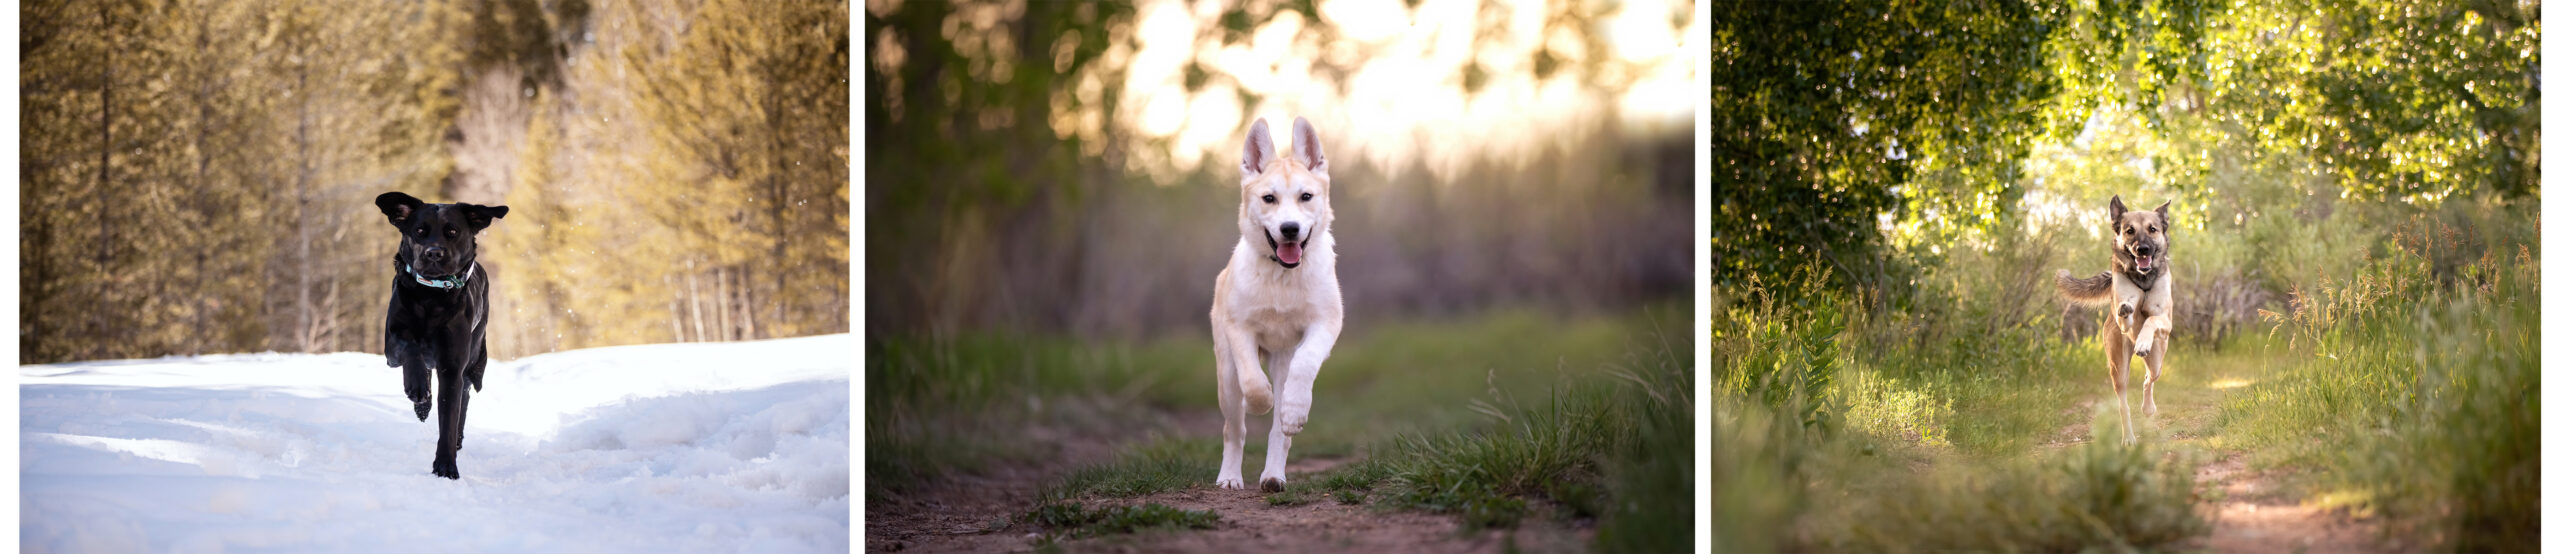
pixel 422 406
pixel 445 469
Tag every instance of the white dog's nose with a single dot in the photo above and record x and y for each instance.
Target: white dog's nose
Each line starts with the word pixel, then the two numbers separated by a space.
pixel 1289 230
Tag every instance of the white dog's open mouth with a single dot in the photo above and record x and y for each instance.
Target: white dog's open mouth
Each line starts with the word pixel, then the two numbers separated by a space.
pixel 1287 253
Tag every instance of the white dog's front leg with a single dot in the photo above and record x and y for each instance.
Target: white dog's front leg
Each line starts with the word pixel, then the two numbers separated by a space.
pixel 1297 395
pixel 1231 405
pixel 1275 450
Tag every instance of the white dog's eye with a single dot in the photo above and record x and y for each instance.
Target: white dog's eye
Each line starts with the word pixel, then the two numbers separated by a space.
pixel 1269 199
pixel 1306 196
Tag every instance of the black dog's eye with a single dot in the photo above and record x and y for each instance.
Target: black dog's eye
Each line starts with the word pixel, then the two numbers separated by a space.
pixel 1306 196
pixel 1269 199
pixel 422 231
pixel 449 232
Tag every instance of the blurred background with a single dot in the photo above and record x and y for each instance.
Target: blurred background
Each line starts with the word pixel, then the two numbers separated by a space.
pixel 1071 167
pixel 198 176
pixel 1052 188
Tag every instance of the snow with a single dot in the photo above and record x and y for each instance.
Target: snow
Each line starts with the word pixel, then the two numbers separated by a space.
pixel 731 447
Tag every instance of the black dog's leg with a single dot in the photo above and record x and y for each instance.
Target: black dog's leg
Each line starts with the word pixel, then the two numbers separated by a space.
pixel 415 378
pixel 479 364
pixel 453 397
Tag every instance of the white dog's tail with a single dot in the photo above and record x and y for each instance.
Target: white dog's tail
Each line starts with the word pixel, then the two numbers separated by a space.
pixel 1257 390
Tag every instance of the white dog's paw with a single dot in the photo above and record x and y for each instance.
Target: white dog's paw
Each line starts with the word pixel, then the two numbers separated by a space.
pixel 1230 481
pixel 1274 483
pixel 1291 417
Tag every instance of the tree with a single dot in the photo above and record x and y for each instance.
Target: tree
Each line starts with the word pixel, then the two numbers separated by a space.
pixel 1830 115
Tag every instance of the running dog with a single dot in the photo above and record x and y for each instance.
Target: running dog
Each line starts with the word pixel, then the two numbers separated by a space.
pixel 439 317
pixel 2138 290
pixel 1278 304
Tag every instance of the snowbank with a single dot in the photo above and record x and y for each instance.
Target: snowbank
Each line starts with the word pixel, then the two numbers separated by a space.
pixel 737 447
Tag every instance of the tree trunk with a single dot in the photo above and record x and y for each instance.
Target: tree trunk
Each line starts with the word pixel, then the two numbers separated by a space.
pixel 98 194
pixel 302 208
pixel 693 295
pixel 781 194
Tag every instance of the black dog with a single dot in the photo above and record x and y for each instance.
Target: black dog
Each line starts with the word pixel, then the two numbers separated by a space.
pixel 439 309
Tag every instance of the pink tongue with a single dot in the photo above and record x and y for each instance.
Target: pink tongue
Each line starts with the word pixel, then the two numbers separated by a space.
pixel 1288 253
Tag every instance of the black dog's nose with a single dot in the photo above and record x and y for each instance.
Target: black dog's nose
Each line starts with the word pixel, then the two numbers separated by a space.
pixel 1289 230
pixel 435 253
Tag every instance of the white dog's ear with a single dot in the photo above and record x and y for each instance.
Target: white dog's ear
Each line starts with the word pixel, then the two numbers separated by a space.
pixel 1303 144
pixel 1257 148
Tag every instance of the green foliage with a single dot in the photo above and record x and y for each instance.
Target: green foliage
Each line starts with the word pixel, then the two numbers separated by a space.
pixel 1074 520
pixel 2398 101
pixel 2420 383
pixel 1782 356
pixel 1831 114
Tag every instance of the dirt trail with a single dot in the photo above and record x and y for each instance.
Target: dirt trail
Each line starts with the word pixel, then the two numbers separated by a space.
pixel 973 514
pixel 2253 513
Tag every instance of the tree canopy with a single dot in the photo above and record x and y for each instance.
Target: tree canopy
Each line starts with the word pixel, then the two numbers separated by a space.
pixel 1835 120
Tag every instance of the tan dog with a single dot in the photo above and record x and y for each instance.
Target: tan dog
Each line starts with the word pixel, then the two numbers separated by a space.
pixel 1278 303
pixel 2138 290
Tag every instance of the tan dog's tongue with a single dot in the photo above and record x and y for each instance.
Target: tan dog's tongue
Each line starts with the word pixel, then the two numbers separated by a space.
pixel 1289 253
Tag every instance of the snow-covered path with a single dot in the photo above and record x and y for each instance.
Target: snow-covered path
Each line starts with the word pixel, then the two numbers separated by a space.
pixel 737 447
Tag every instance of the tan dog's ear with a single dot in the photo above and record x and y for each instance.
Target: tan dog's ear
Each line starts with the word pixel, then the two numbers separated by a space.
pixel 2115 209
pixel 1303 144
pixel 1257 148
pixel 2164 212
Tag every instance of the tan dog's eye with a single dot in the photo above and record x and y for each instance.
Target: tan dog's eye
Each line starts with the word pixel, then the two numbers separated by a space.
pixel 1269 199
pixel 2155 228
pixel 1306 196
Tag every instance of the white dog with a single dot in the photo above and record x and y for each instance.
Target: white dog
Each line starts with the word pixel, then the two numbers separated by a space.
pixel 1278 303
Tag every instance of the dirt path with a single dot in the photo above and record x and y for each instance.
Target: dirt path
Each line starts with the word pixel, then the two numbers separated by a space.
pixel 2254 513
pixel 973 513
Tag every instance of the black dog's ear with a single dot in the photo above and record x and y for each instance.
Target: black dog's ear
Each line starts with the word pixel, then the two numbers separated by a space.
pixel 2115 208
pixel 397 206
pixel 479 216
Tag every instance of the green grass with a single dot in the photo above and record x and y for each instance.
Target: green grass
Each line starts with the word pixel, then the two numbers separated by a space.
pixel 1602 438
pixel 1912 431
pixel 1159 465
pixel 1424 408
pixel 933 402
pixel 1072 520
pixel 2414 392
pixel 2408 390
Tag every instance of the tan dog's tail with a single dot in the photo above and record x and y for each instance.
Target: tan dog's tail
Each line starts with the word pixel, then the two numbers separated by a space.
pixel 2095 291
pixel 1257 390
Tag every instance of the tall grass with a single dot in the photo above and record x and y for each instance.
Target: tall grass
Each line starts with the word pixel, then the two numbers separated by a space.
pixel 2418 394
pixel 1910 426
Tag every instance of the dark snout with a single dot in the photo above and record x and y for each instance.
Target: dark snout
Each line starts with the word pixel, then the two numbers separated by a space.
pixel 1289 231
